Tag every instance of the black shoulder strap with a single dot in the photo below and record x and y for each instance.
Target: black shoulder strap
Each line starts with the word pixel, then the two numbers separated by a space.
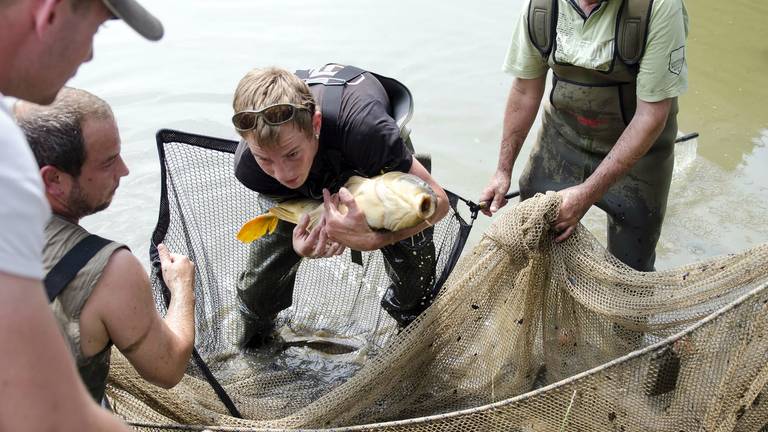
pixel 71 263
pixel 331 107
pixel 542 24
pixel 632 30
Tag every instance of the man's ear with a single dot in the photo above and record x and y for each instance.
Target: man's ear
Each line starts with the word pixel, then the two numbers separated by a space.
pixel 56 182
pixel 317 120
pixel 45 14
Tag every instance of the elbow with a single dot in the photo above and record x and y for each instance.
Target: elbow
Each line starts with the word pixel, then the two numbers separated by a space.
pixel 167 382
pixel 176 373
pixel 654 115
pixel 169 377
pixel 174 377
pixel 442 206
pixel 170 370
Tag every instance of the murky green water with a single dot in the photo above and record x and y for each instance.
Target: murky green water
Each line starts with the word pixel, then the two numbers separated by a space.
pixel 449 53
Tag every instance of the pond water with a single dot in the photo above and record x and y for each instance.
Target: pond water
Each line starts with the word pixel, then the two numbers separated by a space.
pixel 449 54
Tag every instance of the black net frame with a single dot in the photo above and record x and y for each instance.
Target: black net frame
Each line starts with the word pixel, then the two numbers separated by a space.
pixel 202 205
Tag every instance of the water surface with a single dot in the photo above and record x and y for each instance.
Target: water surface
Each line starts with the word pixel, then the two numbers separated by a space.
pixel 449 54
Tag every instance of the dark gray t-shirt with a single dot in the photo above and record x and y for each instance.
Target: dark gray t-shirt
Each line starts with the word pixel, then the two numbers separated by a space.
pixel 369 145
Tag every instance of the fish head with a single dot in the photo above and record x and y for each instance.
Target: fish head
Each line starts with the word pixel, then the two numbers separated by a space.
pixel 406 199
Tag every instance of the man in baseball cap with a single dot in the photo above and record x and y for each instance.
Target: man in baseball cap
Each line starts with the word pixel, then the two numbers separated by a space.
pixel 42 44
pixel 136 17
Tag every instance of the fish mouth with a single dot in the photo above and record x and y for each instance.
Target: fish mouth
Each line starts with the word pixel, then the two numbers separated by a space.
pixel 426 206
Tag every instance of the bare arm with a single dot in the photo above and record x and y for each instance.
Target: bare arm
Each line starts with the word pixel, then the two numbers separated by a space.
pixel 633 144
pixel 352 231
pixel 522 105
pixel 122 309
pixel 40 388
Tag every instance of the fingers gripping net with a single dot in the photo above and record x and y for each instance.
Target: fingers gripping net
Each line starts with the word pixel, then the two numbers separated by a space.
pixel 603 347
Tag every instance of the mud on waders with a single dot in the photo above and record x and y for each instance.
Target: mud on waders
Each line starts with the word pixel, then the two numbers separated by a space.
pixel 410 263
pixel 589 111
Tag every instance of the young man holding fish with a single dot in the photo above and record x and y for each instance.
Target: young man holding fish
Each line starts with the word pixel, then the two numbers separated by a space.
pixel 291 149
pixel 609 123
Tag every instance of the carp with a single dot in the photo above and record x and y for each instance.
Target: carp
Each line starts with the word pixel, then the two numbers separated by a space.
pixel 391 201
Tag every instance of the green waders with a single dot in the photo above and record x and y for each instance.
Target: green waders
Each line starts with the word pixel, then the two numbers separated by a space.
pixel 635 205
pixel 586 114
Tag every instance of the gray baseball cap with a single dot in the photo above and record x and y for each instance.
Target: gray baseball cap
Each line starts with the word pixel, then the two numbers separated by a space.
pixel 136 17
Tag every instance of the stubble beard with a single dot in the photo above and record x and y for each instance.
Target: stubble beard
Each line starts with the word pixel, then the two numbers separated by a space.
pixel 79 206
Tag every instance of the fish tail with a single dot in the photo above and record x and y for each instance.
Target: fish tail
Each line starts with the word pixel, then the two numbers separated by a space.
pixel 257 228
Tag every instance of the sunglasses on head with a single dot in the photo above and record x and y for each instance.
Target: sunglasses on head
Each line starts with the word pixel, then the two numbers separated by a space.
pixel 273 115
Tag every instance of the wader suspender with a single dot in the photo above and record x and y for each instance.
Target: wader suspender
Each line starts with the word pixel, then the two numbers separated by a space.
pixel 631 28
pixel 331 107
pixel 331 110
pixel 71 263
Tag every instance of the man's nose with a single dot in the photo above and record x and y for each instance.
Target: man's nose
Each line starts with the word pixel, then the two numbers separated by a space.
pixel 282 173
pixel 123 168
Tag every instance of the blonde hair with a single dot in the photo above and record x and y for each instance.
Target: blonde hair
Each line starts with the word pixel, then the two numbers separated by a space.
pixel 260 88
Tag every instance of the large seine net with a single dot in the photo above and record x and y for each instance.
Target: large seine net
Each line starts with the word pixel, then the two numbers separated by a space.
pixel 526 334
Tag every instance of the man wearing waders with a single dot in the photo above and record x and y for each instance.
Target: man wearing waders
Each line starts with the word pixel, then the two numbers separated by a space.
pixel 304 135
pixel 610 119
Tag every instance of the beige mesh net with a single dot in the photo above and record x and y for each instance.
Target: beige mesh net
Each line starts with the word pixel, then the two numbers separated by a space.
pixel 527 335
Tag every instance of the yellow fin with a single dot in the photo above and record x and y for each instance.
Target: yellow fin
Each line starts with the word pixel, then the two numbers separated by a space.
pixel 257 228
pixel 272 226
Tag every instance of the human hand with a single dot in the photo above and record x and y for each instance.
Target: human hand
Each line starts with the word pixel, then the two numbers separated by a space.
pixel 178 270
pixel 314 243
pixel 349 228
pixel 493 194
pixel 576 202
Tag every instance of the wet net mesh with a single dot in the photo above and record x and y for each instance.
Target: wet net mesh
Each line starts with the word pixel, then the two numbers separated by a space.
pixel 526 334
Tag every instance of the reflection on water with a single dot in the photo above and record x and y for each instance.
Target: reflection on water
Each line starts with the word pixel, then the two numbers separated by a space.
pixel 320 362
pixel 315 349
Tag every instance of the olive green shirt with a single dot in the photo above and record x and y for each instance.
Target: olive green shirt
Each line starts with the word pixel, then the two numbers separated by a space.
pixel 60 237
pixel 589 43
